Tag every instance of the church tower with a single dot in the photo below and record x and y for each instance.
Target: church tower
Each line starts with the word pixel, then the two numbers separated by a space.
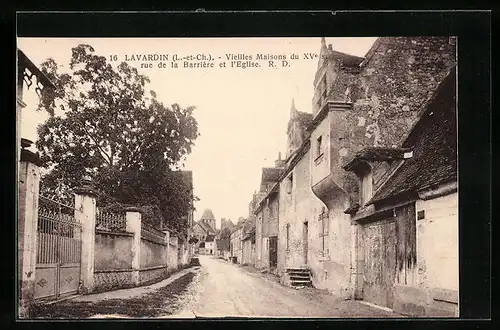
pixel 208 218
pixel 296 130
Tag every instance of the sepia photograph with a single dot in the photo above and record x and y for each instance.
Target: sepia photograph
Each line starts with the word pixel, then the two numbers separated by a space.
pixel 248 177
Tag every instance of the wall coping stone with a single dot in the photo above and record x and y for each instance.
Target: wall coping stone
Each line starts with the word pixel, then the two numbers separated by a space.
pixel 30 157
pixel 114 270
pixel 152 268
pixel 116 233
pixel 133 209
pixel 86 191
pixel 153 241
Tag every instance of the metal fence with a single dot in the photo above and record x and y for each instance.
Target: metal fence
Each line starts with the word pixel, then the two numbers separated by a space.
pixel 109 221
pixel 151 233
pixel 59 235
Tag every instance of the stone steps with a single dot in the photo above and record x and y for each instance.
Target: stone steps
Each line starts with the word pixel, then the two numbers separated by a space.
pixel 298 277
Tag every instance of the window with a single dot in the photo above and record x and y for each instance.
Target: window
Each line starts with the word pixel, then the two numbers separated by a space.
pixel 366 188
pixel 324 88
pixel 365 183
pixel 324 221
pixel 290 184
pixel 319 146
pixel 287 236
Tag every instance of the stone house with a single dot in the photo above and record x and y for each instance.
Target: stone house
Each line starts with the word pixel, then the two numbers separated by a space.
pixel 203 228
pixel 236 242
pixel 359 102
pixel 210 247
pixel 267 211
pixel 248 242
pixel 407 245
pixel 266 217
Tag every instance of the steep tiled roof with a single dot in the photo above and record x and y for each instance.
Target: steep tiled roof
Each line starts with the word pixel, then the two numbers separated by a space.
pixel 206 227
pixel 434 143
pixel 375 153
pixel 346 59
pixel 207 215
pixel 271 174
pixel 303 118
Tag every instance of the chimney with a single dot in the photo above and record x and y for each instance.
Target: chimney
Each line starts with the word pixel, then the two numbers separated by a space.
pixel 279 162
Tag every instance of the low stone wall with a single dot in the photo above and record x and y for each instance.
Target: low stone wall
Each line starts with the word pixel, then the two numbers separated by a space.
pixel 152 274
pixel 425 302
pixel 129 259
pixel 112 279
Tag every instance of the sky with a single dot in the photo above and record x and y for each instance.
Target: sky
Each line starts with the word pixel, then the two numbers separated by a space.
pixel 242 114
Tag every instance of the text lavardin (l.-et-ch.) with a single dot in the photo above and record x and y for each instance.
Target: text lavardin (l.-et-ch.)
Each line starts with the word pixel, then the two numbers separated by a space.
pixel 206 60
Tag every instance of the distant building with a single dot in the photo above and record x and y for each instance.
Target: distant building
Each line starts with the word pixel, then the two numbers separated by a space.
pixel 248 242
pixel 236 244
pixel 203 228
pixel 223 248
pixel 210 247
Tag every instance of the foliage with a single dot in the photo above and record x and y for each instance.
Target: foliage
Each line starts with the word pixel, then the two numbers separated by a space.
pixel 225 233
pixel 114 131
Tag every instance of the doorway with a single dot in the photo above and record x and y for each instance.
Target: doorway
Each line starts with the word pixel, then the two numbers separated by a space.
pixel 305 240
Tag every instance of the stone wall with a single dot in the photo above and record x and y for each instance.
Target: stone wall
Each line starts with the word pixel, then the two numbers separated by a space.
pixel 436 293
pixel 107 280
pixel 152 274
pixel 113 251
pixel 152 254
pixel 390 91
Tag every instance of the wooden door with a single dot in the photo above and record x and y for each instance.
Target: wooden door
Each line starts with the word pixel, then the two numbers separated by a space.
pixel 306 241
pixel 379 239
pixel 273 251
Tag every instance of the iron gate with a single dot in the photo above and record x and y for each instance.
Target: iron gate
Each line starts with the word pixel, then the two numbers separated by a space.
pixel 59 247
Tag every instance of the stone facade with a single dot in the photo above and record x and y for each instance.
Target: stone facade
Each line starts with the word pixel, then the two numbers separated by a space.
pixel 236 243
pixel 359 102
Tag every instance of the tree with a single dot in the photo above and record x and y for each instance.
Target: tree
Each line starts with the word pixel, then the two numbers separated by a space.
pixel 226 233
pixel 112 129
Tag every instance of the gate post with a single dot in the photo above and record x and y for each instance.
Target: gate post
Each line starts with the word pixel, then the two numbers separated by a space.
pixel 27 224
pixel 85 214
pixel 134 223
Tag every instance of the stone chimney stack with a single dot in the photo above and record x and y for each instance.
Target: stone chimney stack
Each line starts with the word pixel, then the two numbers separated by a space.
pixel 279 163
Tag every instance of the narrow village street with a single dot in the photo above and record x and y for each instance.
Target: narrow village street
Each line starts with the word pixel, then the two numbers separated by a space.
pixel 217 289
pixel 221 289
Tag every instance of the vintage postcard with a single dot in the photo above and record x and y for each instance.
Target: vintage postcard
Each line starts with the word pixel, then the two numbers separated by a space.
pixel 237 177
